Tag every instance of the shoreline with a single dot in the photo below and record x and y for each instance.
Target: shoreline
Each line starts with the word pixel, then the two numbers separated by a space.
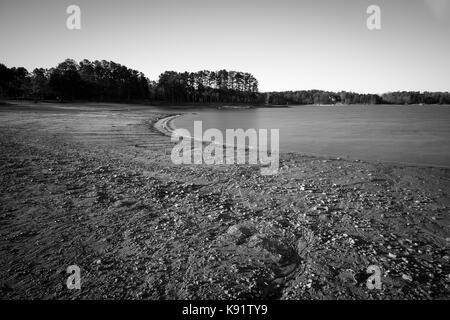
pixel 101 192
pixel 165 126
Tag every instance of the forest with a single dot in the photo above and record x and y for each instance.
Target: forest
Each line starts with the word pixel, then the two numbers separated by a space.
pixel 108 81
pixel 326 97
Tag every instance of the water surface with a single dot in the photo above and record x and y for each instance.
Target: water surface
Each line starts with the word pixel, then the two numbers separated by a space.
pixel 408 134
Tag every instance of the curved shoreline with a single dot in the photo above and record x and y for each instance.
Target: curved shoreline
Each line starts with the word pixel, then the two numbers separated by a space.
pixel 166 127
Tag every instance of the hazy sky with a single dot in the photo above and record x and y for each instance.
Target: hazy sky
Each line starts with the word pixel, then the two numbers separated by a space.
pixel 286 45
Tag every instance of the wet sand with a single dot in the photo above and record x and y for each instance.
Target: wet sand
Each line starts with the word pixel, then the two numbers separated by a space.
pixel 93 185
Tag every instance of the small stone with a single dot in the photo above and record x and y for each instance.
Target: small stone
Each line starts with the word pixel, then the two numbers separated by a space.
pixel 347 276
pixel 240 232
pixel 301 246
pixel 124 202
pixel 407 277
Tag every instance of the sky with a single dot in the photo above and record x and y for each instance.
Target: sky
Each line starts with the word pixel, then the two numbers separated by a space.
pixel 285 44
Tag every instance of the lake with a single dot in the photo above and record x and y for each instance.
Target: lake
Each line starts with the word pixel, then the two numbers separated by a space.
pixel 407 134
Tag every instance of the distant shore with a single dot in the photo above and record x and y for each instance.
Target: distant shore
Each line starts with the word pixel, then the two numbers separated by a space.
pixel 174 105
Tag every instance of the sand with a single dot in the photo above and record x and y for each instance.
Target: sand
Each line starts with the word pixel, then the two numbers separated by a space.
pixel 93 185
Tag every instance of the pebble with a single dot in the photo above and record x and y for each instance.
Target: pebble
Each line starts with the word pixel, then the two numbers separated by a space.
pixel 407 277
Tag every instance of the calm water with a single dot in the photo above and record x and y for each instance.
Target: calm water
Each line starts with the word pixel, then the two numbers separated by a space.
pixel 409 134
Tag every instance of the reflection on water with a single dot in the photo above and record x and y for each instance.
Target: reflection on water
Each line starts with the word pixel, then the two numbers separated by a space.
pixel 412 134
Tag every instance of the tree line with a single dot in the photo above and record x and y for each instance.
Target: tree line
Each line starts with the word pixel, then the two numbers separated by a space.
pixel 327 97
pixel 111 81
pixel 208 86
pixel 69 80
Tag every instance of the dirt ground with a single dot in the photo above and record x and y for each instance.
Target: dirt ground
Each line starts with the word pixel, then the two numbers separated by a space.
pixel 92 185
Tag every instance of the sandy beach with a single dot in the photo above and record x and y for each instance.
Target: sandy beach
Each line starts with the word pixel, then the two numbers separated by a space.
pixel 93 185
